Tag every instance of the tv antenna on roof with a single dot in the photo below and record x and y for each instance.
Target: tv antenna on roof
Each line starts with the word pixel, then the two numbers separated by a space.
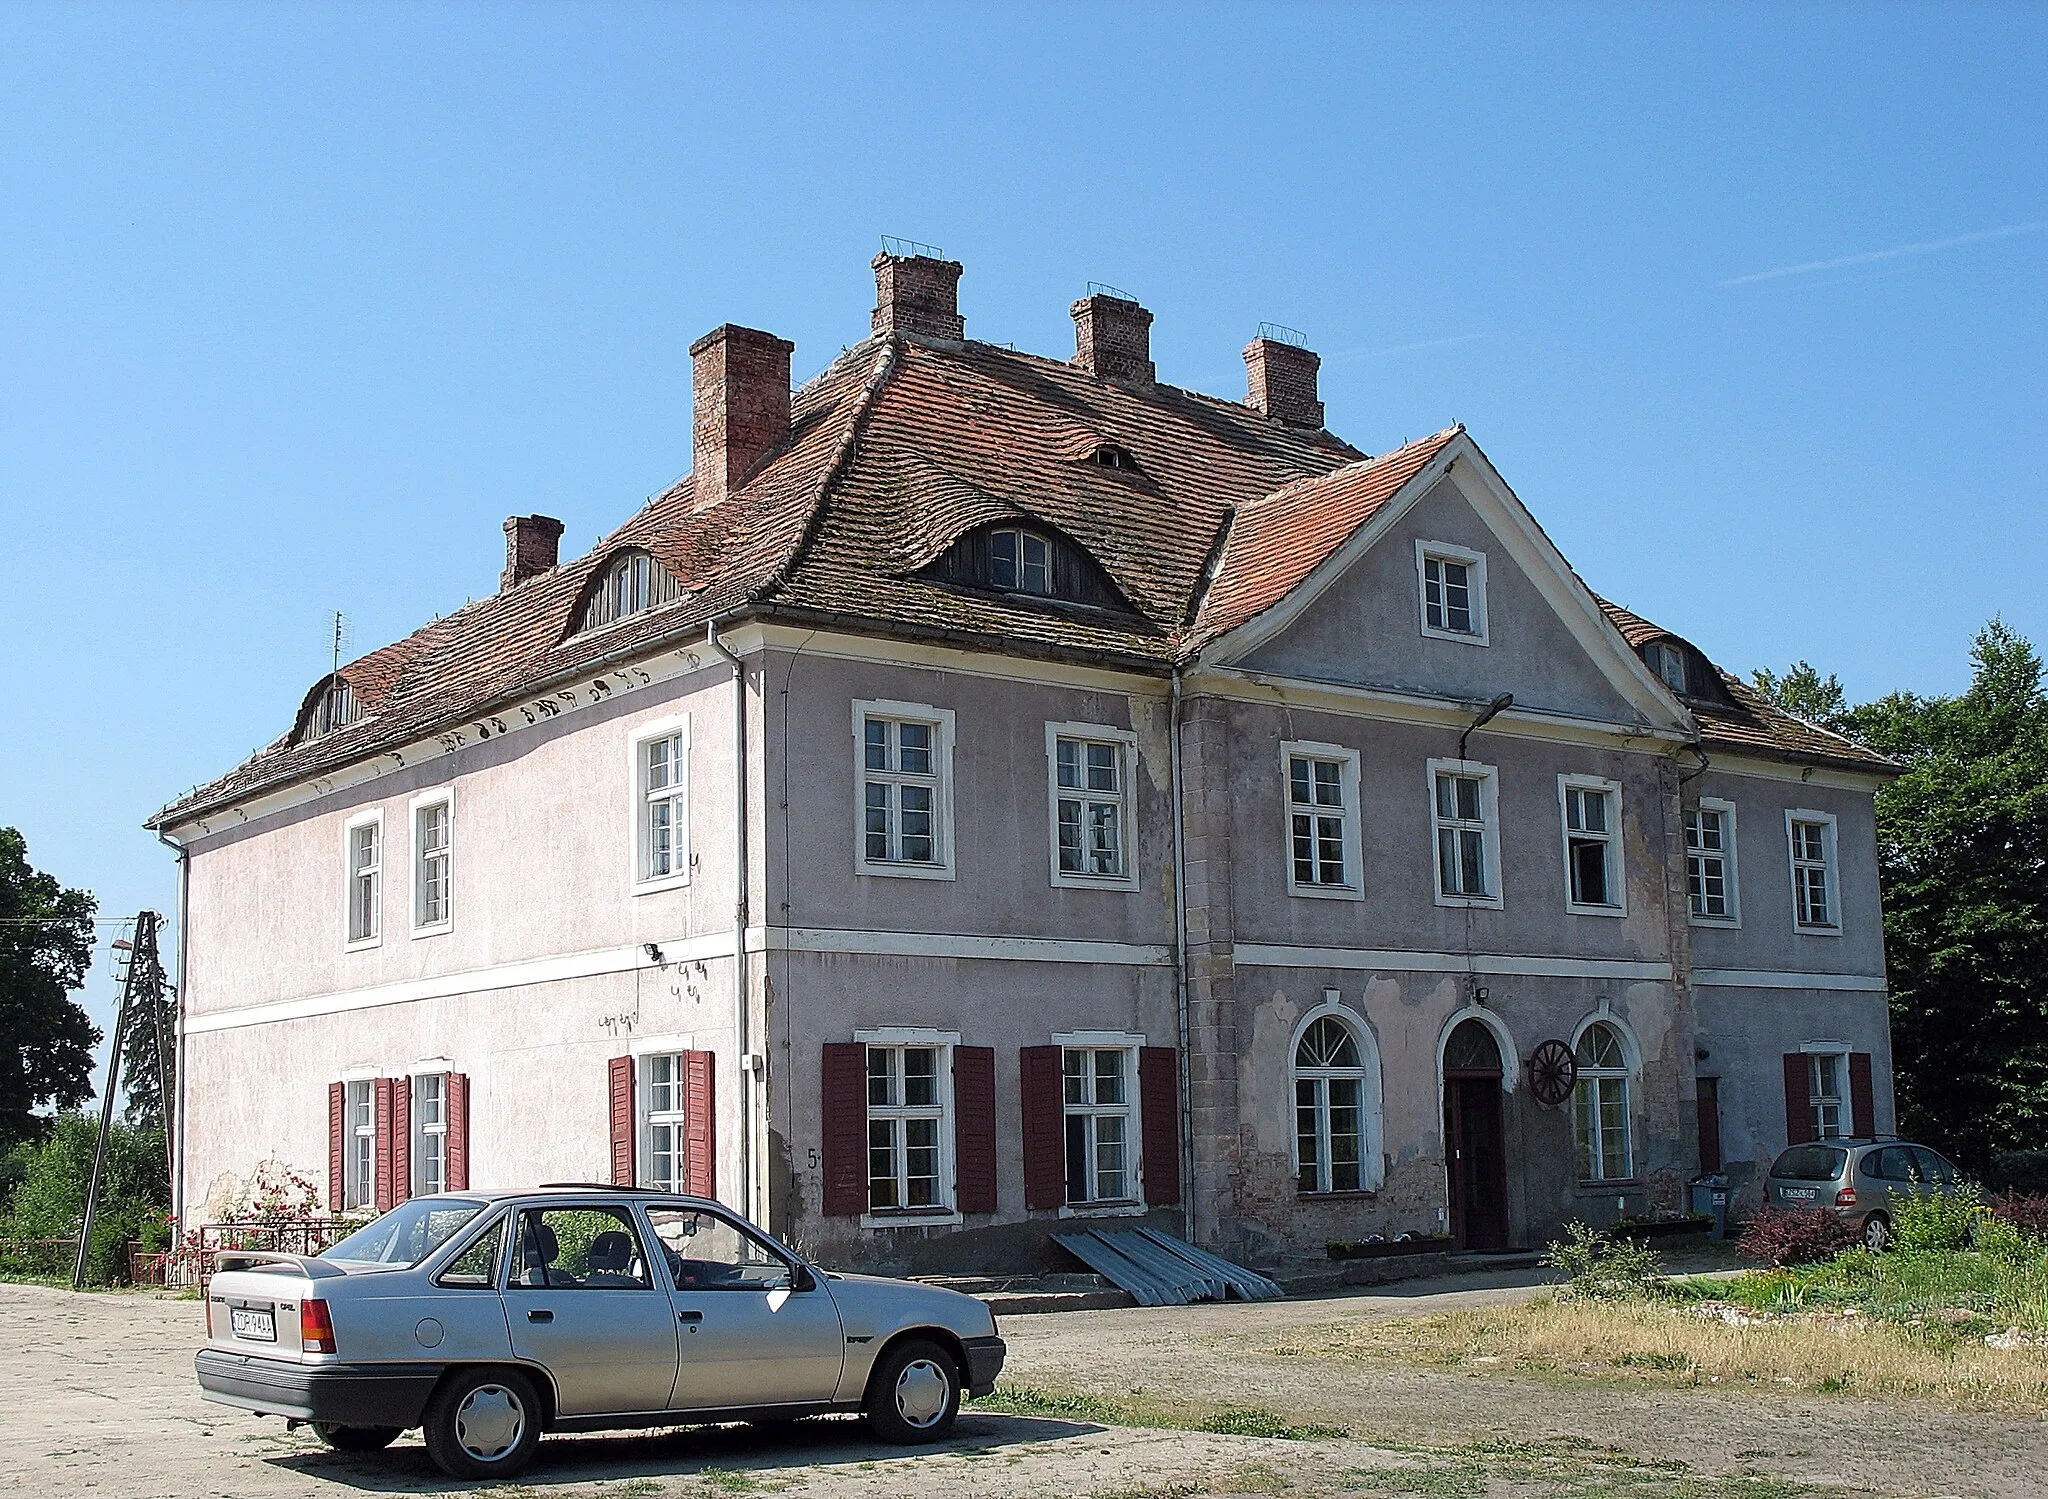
pixel 904 249
pixel 344 629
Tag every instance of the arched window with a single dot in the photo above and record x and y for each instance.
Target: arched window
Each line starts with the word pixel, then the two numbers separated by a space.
pixel 1600 1107
pixel 329 706
pixel 1109 455
pixel 1472 1049
pixel 1335 1101
pixel 631 583
pixel 1021 560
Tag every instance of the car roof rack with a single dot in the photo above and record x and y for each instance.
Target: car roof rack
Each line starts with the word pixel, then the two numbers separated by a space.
pixel 602 1187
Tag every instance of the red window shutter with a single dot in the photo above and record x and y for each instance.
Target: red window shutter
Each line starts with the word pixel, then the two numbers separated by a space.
pixel 974 1128
pixel 1862 1103
pixel 401 1139
pixel 457 1144
pixel 337 1159
pixel 381 1115
pixel 622 1121
pixel 845 1107
pixel 1159 1106
pixel 700 1124
pixel 1798 1099
pixel 1040 1071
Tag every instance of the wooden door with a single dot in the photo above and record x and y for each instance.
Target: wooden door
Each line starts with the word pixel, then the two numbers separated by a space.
pixel 1475 1138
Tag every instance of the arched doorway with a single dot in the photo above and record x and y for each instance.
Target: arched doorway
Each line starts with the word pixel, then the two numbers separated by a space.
pixel 1475 1138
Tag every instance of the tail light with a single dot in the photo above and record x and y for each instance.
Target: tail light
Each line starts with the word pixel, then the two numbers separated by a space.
pixel 209 1319
pixel 1846 1198
pixel 316 1326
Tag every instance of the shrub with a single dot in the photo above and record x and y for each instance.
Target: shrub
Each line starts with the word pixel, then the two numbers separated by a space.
pixel 1939 1222
pixel 1599 1268
pixel 2029 1214
pixel 1784 1236
pixel 2022 1172
pixel 49 1200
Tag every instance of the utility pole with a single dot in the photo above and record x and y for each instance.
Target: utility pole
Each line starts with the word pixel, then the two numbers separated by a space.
pixel 142 986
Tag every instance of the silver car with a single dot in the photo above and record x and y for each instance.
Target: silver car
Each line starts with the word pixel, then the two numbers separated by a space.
pixel 488 1318
pixel 1860 1181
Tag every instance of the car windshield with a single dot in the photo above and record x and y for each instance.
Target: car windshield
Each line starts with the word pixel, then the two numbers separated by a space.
pixel 407 1234
pixel 1810 1163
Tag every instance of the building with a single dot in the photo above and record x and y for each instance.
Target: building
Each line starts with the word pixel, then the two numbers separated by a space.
pixel 993 790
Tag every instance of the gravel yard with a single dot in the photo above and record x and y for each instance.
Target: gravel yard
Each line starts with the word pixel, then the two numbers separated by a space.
pixel 99 1398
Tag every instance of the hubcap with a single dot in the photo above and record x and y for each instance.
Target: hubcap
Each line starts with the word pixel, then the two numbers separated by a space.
pixel 489 1422
pixel 921 1393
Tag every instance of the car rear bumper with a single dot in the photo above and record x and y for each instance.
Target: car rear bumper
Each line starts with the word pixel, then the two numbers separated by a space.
pixel 346 1394
pixel 984 1363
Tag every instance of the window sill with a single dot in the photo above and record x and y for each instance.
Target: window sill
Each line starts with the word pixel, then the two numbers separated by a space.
pixel 915 1218
pixel 1462 637
pixel 1817 931
pixel 1103 1210
pixel 1326 892
pixel 1119 882
pixel 905 871
pixel 1470 902
pixel 438 929
pixel 1363 1194
pixel 1595 1187
pixel 363 944
pixel 666 882
pixel 1725 923
pixel 1614 911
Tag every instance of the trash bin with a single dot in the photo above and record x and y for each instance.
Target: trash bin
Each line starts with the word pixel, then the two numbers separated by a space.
pixel 1710 1200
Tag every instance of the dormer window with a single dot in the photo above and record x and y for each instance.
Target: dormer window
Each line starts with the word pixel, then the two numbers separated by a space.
pixel 1020 560
pixel 335 708
pixel 632 583
pixel 1668 662
pixel 1109 455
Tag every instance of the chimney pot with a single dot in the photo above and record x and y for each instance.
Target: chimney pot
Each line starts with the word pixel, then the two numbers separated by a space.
pixel 918 294
pixel 740 390
pixel 1113 339
pixel 1282 382
pixel 532 547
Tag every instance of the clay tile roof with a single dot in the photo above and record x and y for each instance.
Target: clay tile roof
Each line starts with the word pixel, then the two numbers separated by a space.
pixel 1276 541
pixel 1743 720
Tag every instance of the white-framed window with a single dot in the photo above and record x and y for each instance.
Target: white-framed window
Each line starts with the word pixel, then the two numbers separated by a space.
pixel 1600 1105
pixel 903 782
pixel 1710 886
pixel 1464 814
pixel 1668 662
pixel 433 863
pixel 1100 1081
pixel 1336 1106
pixel 1020 560
pixel 1321 787
pixel 1827 1085
pixel 1591 810
pixel 359 1144
pixel 363 855
pixel 1452 592
pixel 429 1133
pixel 910 1125
pixel 1092 771
pixel 663 1123
pixel 661 804
pixel 632 583
pixel 1816 896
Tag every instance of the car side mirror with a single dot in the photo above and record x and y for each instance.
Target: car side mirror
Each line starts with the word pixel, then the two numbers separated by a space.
pixel 801 1279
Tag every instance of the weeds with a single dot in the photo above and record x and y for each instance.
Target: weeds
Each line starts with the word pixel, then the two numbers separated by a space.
pixel 1098 1410
pixel 1599 1268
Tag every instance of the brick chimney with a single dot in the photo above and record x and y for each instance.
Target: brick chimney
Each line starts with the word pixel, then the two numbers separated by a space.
pixel 918 294
pixel 1113 339
pixel 532 546
pixel 1282 380
pixel 740 380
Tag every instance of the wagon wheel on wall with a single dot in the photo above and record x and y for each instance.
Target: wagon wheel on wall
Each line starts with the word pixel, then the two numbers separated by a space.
pixel 1553 1073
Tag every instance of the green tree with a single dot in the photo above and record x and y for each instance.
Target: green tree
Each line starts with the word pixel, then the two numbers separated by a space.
pixel 48 1202
pixel 1963 855
pixel 1804 691
pixel 46 1041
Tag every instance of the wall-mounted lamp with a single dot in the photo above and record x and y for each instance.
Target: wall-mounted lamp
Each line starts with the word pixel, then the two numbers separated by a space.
pixel 653 951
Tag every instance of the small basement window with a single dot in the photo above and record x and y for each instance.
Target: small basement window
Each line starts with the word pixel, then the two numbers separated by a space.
pixel 1020 560
pixel 1109 455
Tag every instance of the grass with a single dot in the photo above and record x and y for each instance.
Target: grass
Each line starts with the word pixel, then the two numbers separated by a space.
pixel 1666 1344
pixel 1958 1287
pixel 1101 1410
pixel 1562 1468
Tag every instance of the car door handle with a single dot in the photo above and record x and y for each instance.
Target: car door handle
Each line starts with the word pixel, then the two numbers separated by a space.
pixel 540 1315
pixel 689 1316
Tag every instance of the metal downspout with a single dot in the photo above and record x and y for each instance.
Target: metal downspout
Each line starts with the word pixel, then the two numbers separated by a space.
pixel 1180 974
pixel 742 1030
pixel 177 1130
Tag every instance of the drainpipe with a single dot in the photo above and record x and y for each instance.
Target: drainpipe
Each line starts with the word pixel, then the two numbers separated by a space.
pixel 176 1133
pixel 742 1030
pixel 1180 975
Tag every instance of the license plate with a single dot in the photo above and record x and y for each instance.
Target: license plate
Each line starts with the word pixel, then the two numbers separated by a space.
pixel 1798 1194
pixel 258 1325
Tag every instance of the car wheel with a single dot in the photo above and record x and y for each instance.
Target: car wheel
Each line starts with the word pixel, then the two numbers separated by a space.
pixel 914 1393
pixel 483 1423
pixel 355 1438
pixel 1877 1233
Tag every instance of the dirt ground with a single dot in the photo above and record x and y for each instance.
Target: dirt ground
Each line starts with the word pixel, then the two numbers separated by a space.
pixel 97 1397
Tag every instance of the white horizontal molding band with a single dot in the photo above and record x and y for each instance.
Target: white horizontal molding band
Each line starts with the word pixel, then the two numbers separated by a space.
pixel 956 945
pixel 1400 960
pixel 1752 978
pixel 577 965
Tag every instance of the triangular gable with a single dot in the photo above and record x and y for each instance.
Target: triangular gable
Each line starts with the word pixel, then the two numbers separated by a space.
pixel 1455 457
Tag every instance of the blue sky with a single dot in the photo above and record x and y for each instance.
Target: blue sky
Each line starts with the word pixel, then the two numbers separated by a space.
pixel 297 304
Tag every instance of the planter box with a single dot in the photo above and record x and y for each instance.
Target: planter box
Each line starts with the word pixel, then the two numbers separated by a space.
pixel 1388 1250
pixel 1672 1229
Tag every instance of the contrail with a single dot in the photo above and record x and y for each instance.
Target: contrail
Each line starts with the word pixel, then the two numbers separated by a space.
pixel 1867 256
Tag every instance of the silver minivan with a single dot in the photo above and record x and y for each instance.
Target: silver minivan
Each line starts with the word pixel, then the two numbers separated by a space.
pixel 489 1318
pixel 1860 1181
